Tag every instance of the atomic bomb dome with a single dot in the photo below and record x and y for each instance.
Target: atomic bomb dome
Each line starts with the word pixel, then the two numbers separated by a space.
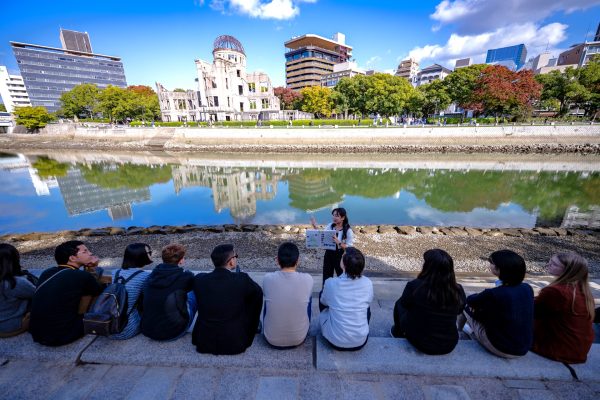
pixel 226 42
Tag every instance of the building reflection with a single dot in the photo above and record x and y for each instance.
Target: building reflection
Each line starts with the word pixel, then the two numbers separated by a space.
pixel 235 188
pixel 82 197
pixel 312 190
pixel 578 218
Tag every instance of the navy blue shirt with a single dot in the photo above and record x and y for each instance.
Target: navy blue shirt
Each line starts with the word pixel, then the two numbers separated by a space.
pixel 506 312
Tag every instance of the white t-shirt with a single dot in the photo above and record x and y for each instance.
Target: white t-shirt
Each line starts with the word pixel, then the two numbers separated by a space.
pixel 287 295
pixel 345 322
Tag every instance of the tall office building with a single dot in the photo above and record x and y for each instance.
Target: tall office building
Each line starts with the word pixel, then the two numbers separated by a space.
pixel 12 90
pixel 597 37
pixel 309 57
pixel 48 72
pixel 512 57
pixel 76 41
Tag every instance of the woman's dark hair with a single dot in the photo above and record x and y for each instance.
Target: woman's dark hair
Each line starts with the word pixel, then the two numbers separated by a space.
pixel 354 262
pixel 10 264
pixel 345 225
pixel 510 265
pixel 438 272
pixel 136 256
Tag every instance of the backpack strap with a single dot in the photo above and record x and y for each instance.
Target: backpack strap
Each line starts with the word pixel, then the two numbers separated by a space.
pixel 139 271
pixel 56 273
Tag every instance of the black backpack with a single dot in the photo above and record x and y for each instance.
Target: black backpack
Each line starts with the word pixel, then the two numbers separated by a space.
pixel 108 315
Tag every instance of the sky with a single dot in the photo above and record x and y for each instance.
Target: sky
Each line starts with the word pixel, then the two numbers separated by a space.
pixel 158 41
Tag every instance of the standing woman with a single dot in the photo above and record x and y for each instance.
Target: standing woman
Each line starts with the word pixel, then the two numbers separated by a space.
pixel 16 292
pixel 344 237
pixel 564 311
pixel 427 310
pixel 137 255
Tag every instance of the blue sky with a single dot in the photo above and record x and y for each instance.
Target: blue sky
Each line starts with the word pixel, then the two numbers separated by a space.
pixel 159 41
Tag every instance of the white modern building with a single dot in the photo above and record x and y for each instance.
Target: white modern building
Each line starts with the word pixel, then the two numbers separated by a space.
pixel 12 90
pixel 346 69
pixel 408 69
pixel 430 74
pixel 226 92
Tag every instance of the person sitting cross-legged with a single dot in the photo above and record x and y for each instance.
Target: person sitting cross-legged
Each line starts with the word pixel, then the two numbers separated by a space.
pixel 229 305
pixel 55 313
pixel 168 304
pixel 345 301
pixel 287 300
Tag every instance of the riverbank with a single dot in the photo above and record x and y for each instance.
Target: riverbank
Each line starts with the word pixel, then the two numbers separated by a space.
pixel 565 139
pixel 391 251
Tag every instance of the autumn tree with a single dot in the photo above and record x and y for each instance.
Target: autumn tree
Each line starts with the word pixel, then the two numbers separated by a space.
pixel 500 91
pixel 81 101
pixel 288 98
pixel 461 84
pixel 32 118
pixel 146 103
pixel 316 100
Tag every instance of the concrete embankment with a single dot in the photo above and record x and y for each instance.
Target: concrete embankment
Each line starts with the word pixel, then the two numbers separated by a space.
pixel 519 139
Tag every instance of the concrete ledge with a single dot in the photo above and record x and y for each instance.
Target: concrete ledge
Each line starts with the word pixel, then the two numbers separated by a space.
pixel 181 353
pixel 590 371
pixel 23 347
pixel 469 359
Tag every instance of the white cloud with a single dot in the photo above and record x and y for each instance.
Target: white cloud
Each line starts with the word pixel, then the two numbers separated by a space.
pixel 536 38
pixel 263 9
pixel 373 61
pixel 477 16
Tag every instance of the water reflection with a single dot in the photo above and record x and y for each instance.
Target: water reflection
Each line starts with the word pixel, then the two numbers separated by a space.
pixel 70 195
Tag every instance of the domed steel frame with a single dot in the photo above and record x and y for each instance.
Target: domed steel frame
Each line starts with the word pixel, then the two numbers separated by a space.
pixel 226 42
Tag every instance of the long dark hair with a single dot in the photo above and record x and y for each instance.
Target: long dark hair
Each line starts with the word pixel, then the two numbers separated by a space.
pixel 438 272
pixel 136 256
pixel 345 225
pixel 10 264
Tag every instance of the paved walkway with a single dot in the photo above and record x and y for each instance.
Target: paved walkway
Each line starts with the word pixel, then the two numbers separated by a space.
pixel 386 368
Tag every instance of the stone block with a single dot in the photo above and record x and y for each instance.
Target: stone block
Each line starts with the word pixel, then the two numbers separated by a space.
pixel 141 350
pixel 545 231
pixel 473 231
pixel 156 383
pixel 590 370
pixel 469 359
pixel 23 347
pixel 369 229
pixel 277 387
pixel 406 230
pixel 386 229
pixel 425 230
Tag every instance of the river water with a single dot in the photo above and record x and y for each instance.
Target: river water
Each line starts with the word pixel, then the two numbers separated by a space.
pixel 44 191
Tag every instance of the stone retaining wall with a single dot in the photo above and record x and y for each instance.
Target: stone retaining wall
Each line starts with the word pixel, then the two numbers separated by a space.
pixel 300 229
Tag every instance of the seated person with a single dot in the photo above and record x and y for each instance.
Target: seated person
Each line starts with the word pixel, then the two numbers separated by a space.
pixel 168 305
pixel 55 317
pixel 345 318
pixel 564 311
pixel 16 292
pixel 288 295
pixel 229 305
pixel 501 318
pixel 426 312
pixel 137 255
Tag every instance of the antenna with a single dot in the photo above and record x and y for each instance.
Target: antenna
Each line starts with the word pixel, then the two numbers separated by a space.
pixel 547 44
pixel 587 32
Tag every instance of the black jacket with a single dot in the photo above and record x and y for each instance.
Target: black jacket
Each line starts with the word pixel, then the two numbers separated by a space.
pixel 229 305
pixel 165 315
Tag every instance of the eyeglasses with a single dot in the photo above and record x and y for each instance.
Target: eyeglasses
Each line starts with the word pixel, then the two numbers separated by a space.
pixel 231 258
pixel 149 252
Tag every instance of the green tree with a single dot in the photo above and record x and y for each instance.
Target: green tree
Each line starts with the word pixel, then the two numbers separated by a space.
pixel 49 168
pixel 387 94
pixel 131 176
pixel 415 104
pixel 589 77
pixel 435 97
pixel 561 87
pixel 349 95
pixel 32 118
pixel 461 83
pixel 2 107
pixel 81 101
pixel 317 100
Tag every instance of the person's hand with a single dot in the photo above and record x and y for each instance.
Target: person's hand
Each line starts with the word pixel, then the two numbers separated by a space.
pixel 313 221
pixel 91 266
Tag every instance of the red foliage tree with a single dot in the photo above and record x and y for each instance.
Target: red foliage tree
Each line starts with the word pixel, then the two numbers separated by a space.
pixel 142 89
pixel 289 98
pixel 500 91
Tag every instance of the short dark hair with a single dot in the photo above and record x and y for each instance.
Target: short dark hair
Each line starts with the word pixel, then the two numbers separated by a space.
pixel 511 266
pixel 65 250
pixel 288 254
pixel 173 253
pixel 136 256
pixel 10 264
pixel 354 262
pixel 221 254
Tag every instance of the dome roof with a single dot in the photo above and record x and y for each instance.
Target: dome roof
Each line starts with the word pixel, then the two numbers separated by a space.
pixel 226 42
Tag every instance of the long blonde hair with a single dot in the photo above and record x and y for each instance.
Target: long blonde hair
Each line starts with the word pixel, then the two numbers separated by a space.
pixel 576 274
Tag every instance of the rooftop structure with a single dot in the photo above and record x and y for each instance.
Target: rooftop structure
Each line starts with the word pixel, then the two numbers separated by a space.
pixel 76 41
pixel 463 62
pixel 347 69
pixel 431 73
pixel 508 56
pixel 309 57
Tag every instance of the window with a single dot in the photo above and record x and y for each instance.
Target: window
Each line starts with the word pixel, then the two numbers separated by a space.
pixel 226 83
pixel 241 106
pixel 228 102
pixel 240 90
pixel 239 73
pixel 214 84
pixel 252 87
pixel 265 103
pixel 216 101
pixel 264 88
pixel 253 104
